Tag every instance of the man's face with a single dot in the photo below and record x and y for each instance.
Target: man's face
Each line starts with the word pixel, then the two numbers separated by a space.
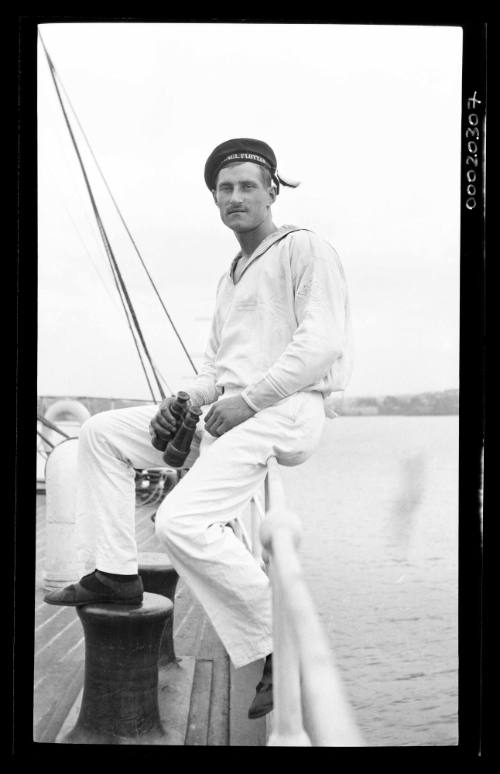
pixel 243 200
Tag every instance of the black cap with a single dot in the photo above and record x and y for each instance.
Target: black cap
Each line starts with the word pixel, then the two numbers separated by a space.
pixel 243 149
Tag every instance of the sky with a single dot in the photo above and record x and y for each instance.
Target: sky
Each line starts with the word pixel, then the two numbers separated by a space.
pixel 366 117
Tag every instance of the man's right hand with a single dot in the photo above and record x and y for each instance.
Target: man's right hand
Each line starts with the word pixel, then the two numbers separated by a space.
pixel 162 425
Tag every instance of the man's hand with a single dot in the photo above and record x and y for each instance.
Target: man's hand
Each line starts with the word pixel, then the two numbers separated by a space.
pixel 163 424
pixel 227 413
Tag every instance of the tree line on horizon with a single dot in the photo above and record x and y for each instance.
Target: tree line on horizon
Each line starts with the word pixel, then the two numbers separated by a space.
pixel 439 402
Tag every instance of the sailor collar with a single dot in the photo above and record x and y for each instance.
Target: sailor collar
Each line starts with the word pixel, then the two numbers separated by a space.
pixel 266 243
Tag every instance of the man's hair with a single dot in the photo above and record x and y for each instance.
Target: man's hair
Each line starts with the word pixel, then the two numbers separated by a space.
pixel 265 174
pixel 266 177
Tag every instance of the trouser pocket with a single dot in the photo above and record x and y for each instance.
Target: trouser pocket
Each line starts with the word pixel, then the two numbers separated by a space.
pixel 307 417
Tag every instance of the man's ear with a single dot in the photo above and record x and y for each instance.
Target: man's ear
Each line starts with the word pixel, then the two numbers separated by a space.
pixel 214 194
pixel 272 193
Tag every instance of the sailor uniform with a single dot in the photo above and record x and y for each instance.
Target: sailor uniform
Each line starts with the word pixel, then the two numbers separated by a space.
pixel 283 327
pixel 281 338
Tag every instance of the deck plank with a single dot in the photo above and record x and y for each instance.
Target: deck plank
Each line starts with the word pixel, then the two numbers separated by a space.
pixel 199 709
pixel 194 692
pixel 218 722
pixel 55 622
pixel 174 698
pixel 56 648
pixel 45 614
pixel 56 696
pixel 244 732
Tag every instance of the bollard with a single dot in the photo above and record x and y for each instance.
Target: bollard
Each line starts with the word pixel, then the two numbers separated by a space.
pixel 159 577
pixel 61 565
pixel 120 692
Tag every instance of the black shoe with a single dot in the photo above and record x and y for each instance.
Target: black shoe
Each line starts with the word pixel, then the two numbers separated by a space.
pixel 97 588
pixel 263 699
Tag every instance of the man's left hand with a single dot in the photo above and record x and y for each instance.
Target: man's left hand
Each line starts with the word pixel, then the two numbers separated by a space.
pixel 227 413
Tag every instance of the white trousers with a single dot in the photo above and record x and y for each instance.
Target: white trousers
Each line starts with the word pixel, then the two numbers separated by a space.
pixel 192 520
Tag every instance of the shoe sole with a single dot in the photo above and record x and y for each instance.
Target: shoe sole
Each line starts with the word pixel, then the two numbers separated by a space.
pixel 256 715
pixel 135 601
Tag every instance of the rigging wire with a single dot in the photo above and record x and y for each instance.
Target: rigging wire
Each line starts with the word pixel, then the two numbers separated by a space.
pixel 73 186
pixel 163 378
pixel 46 440
pixel 125 299
pixel 52 426
pixel 87 250
pixel 102 231
pixel 113 300
pixel 112 297
pixel 132 331
pixel 126 227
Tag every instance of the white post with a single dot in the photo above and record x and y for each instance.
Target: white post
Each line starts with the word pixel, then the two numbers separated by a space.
pixel 303 668
pixel 287 726
pixel 328 717
pixel 61 565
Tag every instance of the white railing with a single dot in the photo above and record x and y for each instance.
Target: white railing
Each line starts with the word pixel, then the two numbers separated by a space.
pixel 310 705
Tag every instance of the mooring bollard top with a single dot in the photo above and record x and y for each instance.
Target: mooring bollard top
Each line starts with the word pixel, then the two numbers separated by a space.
pixel 152 604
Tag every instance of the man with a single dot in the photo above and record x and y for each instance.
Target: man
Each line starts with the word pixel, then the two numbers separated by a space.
pixel 278 350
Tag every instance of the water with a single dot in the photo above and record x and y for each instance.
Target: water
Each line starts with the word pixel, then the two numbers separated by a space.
pixel 379 504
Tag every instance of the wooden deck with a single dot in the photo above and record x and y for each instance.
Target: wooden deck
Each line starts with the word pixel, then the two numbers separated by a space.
pixel 203 700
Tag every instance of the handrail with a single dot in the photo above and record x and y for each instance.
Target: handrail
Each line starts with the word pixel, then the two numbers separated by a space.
pixel 310 705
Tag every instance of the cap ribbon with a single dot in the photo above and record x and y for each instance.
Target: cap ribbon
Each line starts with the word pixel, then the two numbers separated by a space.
pixel 261 160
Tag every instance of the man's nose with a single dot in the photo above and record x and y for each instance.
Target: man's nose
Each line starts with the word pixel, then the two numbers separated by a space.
pixel 236 195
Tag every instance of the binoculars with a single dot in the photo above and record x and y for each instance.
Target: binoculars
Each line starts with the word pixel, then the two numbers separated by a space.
pixel 176 449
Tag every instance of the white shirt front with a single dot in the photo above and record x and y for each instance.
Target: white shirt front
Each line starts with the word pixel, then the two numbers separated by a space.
pixel 283 327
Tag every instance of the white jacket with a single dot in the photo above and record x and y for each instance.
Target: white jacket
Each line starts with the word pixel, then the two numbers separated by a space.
pixel 282 328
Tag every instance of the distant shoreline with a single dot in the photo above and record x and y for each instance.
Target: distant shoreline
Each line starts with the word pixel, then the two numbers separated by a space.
pixel 440 403
pixel 396 414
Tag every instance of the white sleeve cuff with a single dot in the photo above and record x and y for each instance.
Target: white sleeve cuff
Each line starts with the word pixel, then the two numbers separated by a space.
pixel 248 401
